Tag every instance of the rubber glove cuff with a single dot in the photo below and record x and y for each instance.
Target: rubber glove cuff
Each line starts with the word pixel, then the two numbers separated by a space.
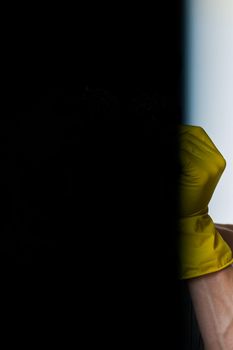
pixel 202 250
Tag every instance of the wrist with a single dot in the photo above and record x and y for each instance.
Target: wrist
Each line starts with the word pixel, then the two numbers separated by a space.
pixel 202 250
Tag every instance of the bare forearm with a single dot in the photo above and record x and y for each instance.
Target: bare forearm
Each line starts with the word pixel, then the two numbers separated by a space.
pixel 212 297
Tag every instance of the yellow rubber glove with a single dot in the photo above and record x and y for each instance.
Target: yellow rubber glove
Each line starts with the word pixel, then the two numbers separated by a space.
pixel 201 248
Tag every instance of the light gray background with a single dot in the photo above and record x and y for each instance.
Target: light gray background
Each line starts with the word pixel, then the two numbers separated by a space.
pixel 209 87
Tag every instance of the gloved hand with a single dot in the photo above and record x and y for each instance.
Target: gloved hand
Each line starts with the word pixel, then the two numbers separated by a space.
pixel 201 248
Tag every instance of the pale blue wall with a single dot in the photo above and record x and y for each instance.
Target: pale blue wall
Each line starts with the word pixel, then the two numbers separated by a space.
pixel 209 87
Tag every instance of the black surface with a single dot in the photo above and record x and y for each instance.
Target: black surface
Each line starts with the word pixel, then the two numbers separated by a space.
pixel 191 336
pixel 92 100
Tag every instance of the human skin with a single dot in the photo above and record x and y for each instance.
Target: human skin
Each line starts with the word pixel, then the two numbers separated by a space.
pixel 212 297
pixel 226 231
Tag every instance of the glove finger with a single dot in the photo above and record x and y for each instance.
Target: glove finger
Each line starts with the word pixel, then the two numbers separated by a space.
pixel 199 133
pixel 200 161
pixel 202 150
pixel 200 143
pixel 186 159
pixel 194 150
